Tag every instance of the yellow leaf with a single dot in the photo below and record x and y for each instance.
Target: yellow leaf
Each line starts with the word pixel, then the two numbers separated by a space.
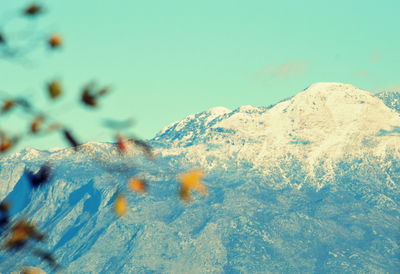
pixel 121 205
pixel 55 89
pixel 191 180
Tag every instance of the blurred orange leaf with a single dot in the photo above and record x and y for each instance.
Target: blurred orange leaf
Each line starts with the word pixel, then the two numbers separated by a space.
pixel 139 186
pixel 122 144
pixel 6 143
pixel 7 105
pixel 190 181
pixel 121 205
pixel 20 233
pixel 55 41
pixel 37 123
pixel 31 270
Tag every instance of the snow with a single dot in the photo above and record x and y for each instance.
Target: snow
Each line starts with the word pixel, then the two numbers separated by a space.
pixel 327 119
pixel 218 110
pixel 310 185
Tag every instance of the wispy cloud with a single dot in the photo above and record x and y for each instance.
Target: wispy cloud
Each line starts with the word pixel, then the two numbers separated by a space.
pixel 363 74
pixel 285 70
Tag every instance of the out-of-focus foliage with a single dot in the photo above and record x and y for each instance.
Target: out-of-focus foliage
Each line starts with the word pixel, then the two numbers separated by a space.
pixel 17 233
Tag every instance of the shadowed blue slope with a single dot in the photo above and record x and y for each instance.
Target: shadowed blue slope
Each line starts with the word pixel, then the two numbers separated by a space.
pixel 246 224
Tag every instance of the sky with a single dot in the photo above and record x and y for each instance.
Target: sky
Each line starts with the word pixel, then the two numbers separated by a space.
pixel 167 59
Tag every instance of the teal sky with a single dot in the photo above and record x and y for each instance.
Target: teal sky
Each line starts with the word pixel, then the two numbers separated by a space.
pixel 168 59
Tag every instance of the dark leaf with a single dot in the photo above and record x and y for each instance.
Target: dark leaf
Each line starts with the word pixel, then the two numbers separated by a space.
pixel 4 221
pixel 33 10
pixel 71 139
pixel 146 148
pixel 2 39
pixel 4 215
pixel 14 244
pixel 41 177
pixel 4 207
pixel 90 94
pixel 88 99
pixel 46 256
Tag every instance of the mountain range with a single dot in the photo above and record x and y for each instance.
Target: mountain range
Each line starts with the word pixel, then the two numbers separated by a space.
pixel 308 185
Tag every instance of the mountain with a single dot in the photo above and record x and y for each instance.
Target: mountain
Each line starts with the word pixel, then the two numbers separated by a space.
pixel 310 184
pixel 318 126
pixel 391 99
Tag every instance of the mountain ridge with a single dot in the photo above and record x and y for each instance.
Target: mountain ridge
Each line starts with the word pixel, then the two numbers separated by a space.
pixel 277 203
pixel 327 120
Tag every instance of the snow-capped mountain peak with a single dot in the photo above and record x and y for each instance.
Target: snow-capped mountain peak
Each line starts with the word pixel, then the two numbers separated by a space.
pixel 325 121
pixel 329 87
pixel 216 111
